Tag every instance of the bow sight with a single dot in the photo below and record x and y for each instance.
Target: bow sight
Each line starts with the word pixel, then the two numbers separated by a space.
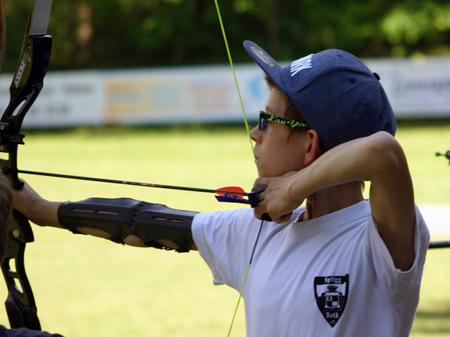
pixel 441 244
pixel 446 154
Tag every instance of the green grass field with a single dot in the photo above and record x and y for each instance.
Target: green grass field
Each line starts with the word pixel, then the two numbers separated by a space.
pixel 86 286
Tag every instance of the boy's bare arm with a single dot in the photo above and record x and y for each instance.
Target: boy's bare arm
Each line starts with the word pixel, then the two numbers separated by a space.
pixel 378 159
pixel 38 210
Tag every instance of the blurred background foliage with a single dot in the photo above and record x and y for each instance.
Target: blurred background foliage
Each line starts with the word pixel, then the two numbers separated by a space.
pixel 91 34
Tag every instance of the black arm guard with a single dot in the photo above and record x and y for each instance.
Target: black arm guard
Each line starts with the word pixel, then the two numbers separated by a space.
pixel 123 216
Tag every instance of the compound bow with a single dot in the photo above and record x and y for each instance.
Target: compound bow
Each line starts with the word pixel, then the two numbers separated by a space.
pixel 25 87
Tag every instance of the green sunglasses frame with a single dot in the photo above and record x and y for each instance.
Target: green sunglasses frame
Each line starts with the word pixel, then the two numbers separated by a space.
pixel 265 117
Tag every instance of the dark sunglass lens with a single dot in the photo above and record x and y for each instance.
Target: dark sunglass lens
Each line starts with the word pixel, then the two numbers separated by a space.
pixel 262 123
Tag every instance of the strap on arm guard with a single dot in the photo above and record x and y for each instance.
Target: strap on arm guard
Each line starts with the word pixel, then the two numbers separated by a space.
pixel 124 216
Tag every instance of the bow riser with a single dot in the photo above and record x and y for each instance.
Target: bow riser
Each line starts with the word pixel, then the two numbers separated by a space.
pixel 20 304
pixel 27 83
pixel 29 76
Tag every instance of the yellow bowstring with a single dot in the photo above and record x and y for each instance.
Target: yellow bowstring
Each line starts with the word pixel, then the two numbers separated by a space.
pixel 239 301
pixel 251 145
pixel 234 75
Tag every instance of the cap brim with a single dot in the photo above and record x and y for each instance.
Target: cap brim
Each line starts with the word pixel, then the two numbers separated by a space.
pixel 266 62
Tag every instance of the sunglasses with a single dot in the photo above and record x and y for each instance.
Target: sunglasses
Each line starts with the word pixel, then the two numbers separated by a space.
pixel 265 118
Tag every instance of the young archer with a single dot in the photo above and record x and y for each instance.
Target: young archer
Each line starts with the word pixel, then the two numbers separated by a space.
pixel 340 265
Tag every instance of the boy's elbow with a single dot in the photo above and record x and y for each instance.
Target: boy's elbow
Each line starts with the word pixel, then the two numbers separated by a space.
pixel 382 142
pixel 385 151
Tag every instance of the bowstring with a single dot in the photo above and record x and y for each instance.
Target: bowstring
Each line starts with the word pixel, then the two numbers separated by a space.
pixel 251 145
pixel 234 75
pixel 245 278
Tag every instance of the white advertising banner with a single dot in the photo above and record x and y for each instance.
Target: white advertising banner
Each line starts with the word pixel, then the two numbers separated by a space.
pixel 417 88
pixel 182 95
pixel 67 99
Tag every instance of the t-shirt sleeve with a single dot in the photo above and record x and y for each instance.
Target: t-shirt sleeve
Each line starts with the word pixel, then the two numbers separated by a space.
pixel 225 240
pixel 395 284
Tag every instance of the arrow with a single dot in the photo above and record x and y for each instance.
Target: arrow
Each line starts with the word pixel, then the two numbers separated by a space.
pixel 234 190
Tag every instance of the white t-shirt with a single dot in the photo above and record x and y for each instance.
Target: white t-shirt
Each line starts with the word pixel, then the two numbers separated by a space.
pixel 330 276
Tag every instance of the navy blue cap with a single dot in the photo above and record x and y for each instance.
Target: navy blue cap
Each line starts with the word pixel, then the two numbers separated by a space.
pixel 336 93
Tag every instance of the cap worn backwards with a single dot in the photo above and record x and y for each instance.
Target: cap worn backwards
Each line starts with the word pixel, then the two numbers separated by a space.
pixel 336 93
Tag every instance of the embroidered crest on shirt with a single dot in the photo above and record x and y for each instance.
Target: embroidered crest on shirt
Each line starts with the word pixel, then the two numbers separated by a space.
pixel 331 294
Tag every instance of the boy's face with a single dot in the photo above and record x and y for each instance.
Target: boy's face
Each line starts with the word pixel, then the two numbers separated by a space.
pixel 277 149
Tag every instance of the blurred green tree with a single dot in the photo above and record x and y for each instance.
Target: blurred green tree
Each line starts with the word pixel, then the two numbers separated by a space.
pixel 134 33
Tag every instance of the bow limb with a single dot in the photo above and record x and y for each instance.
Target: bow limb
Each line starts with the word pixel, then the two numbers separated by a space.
pixel 25 87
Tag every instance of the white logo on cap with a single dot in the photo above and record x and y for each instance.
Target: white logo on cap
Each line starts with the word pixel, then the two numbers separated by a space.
pixel 262 56
pixel 300 64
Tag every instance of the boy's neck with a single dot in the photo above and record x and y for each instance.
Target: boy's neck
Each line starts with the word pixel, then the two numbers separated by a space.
pixel 332 199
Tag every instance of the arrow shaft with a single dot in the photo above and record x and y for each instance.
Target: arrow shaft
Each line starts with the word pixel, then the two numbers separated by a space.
pixel 125 182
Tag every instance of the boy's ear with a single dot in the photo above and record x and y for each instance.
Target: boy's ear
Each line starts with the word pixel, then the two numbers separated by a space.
pixel 312 148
